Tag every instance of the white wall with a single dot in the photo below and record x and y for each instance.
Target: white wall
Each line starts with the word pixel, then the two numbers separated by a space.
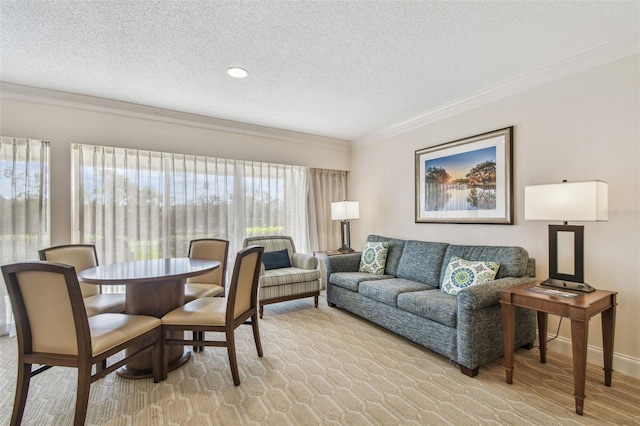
pixel 581 127
pixel 64 125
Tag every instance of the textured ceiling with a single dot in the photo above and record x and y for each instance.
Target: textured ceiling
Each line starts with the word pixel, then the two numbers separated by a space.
pixel 342 69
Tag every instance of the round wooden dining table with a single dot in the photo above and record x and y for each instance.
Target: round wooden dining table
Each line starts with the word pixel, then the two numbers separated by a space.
pixel 153 287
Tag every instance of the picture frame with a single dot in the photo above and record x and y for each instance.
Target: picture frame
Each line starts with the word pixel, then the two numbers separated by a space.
pixel 468 180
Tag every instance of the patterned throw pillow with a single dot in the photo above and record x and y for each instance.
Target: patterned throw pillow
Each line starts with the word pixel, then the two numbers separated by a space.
pixel 462 273
pixel 374 257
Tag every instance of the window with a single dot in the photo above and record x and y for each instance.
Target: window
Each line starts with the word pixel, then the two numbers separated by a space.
pixel 24 206
pixel 142 205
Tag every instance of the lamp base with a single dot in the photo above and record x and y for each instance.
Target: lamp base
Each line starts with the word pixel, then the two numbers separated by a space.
pixel 346 250
pixel 577 275
pixel 345 235
pixel 570 285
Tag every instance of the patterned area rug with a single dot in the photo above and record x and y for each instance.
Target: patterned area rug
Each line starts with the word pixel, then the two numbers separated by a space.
pixel 326 367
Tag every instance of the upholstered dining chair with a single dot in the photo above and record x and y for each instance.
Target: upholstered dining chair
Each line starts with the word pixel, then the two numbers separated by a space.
pixel 84 256
pixel 211 283
pixel 54 329
pixel 224 315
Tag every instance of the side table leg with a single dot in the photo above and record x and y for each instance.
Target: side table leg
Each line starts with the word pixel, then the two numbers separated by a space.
pixel 579 332
pixel 542 335
pixel 508 336
pixel 608 318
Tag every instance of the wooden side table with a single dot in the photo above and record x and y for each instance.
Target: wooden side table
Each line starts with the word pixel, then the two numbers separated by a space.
pixel 579 310
pixel 323 256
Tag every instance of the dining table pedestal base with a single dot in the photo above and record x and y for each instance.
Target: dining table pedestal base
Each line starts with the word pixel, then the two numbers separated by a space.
pixel 131 372
pixel 155 299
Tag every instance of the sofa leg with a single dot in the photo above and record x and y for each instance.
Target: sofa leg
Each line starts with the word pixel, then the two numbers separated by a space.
pixel 527 346
pixel 471 372
pixel 331 305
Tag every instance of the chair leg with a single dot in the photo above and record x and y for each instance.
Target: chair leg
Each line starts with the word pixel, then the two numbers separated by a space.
pixel 197 335
pixel 157 359
pixel 233 362
pixel 261 311
pixel 164 351
pixel 82 397
pixel 256 333
pixel 22 389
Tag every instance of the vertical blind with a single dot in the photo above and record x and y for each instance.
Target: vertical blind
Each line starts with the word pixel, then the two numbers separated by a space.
pixel 141 205
pixel 24 206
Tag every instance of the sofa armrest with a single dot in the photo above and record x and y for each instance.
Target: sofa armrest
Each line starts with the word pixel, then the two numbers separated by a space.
pixel 487 294
pixel 342 263
pixel 304 261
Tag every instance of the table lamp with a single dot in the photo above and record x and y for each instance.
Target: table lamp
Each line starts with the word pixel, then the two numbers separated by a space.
pixel 345 210
pixel 567 201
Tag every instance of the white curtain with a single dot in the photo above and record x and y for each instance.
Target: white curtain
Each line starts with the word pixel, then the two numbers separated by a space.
pixel 140 205
pixel 118 198
pixel 24 207
pixel 275 201
pixel 200 200
pixel 326 187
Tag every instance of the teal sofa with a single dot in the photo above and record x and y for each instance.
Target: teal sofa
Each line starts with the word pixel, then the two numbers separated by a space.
pixel 407 300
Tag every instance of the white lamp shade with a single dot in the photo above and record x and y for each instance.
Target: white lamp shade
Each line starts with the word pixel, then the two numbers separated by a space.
pixel 567 201
pixel 343 210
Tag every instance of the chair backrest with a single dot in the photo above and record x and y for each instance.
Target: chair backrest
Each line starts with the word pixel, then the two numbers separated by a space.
pixel 211 249
pixel 80 256
pixel 243 289
pixel 48 308
pixel 272 243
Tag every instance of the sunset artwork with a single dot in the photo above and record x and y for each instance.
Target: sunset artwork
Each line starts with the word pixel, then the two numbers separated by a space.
pixel 465 181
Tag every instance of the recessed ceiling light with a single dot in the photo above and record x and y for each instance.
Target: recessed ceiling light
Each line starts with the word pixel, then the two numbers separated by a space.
pixel 237 72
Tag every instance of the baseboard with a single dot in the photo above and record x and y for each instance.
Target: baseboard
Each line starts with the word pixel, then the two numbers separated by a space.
pixel 623 364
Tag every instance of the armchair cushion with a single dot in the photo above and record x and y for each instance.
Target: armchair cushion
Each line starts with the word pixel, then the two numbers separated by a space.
pixel 276 259
pixel 292 275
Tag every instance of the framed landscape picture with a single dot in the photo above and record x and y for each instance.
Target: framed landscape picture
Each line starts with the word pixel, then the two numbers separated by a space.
pixel 466 181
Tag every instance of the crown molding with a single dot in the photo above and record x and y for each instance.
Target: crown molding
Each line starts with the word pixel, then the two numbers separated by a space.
pixel 600 55
pixel 90 103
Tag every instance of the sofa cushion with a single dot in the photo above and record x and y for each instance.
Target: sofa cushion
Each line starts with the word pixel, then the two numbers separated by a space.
pixel 462 273
pixel 374 257
pixel 393 254
pixel 276 259
pixel 387 291
pixel 421 261
pixel 351 280
pixel 434 305
pixel 287 276
pixel 513 260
